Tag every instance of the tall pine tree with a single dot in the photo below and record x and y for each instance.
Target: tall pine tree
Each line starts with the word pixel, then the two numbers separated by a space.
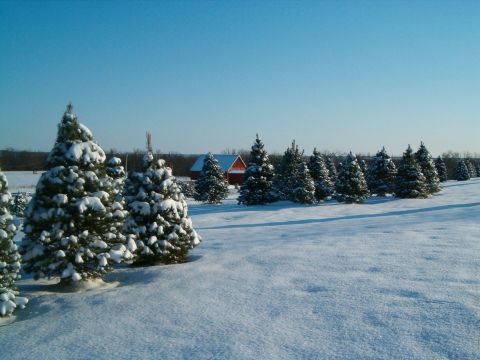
pixel 410 180
pixel 303 186
pixel 381 174
pixel 257 186
pixel 211 186
pixel 320 175
pixel 351 186
pixel 158 214
pixel 69 223
pixel 441 169
pixel 284 176
pixel 427 166
pixel 9 256
pixel 461 172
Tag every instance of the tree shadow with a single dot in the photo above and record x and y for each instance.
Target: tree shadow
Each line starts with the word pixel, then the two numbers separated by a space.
pixel 348 217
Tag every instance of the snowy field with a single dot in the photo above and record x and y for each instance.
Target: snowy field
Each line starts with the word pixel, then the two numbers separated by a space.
pixel 389 279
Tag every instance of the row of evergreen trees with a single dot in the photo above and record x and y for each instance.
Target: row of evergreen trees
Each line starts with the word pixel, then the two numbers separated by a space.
pixel 84 216
pixel 417 176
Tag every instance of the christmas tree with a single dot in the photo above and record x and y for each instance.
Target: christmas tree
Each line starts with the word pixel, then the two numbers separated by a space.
pixel 363 166
pixel 410 180
pixel 303 186
pixel 351 185
pixel 9 256
pixel 257 186
pixel 427 166
pixel 441 169
pixel 284 177
pixel 320 175
pixel 332 170
pixel 69 226
pixel 381 174
pixel 211 186
pixel 472 171
pixel 461 172
pixel 158 214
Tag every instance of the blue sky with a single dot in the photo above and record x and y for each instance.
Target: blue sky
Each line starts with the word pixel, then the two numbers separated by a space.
pixel 205 76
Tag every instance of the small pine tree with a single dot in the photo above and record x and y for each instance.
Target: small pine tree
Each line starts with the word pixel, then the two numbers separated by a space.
pixel 68 223
pixel 427 166
pixel 320 175
pixel 211 186
pixel 477 168
pixel 332 170
pixel 461 172
pixel 363 166
pixel 381 174
pixel 284 177
pixel 441 169
pixel 257 186
pixel 472 171
pixel 303 186
pixel 410 179
pixel 158 214
pixel 9 256
pixel 20 202
pixel 351 185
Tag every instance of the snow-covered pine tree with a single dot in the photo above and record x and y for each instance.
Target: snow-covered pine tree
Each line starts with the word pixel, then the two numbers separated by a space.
pixel 211 186
pixel 363 166
pixel 69 223
pixel 20 202
pixel 477 167
pixel 381 174
pixel 461 172
pixel 427 166
pixel 284 175
pixel 257 185
pixel 351 185
pixel 320 175
pixel 113 183
pixel 441 169
pixel 472 171
pixel 332 170
pixel 410 180
pixel 303 186
pixel 158 214
pixel 9 256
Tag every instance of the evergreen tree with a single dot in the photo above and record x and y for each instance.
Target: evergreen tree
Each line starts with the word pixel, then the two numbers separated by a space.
pixel 381 174
pixel 332 170
pixel 351 185
pixel 441 169
pixel 257 186
pixel 461 172
pixel 363 166
pixel 70 222
pixel 9 256
pixel 284 177
pixel 20 202
pixel 303 186
pixel 211 186
pixel 410 179
pixel 158 214
pixel 472 171
pixel 477 168
pixel 320 175
pixel 427 166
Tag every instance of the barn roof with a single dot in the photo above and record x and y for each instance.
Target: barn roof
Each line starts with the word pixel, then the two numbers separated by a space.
pixel 225 162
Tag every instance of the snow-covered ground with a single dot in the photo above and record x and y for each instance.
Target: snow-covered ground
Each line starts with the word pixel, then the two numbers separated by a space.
pixel 389 279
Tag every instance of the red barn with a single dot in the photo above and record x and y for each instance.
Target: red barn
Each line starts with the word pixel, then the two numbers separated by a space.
pixel 232 165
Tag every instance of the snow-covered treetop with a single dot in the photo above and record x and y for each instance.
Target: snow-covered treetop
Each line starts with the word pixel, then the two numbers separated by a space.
pixel 74 144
